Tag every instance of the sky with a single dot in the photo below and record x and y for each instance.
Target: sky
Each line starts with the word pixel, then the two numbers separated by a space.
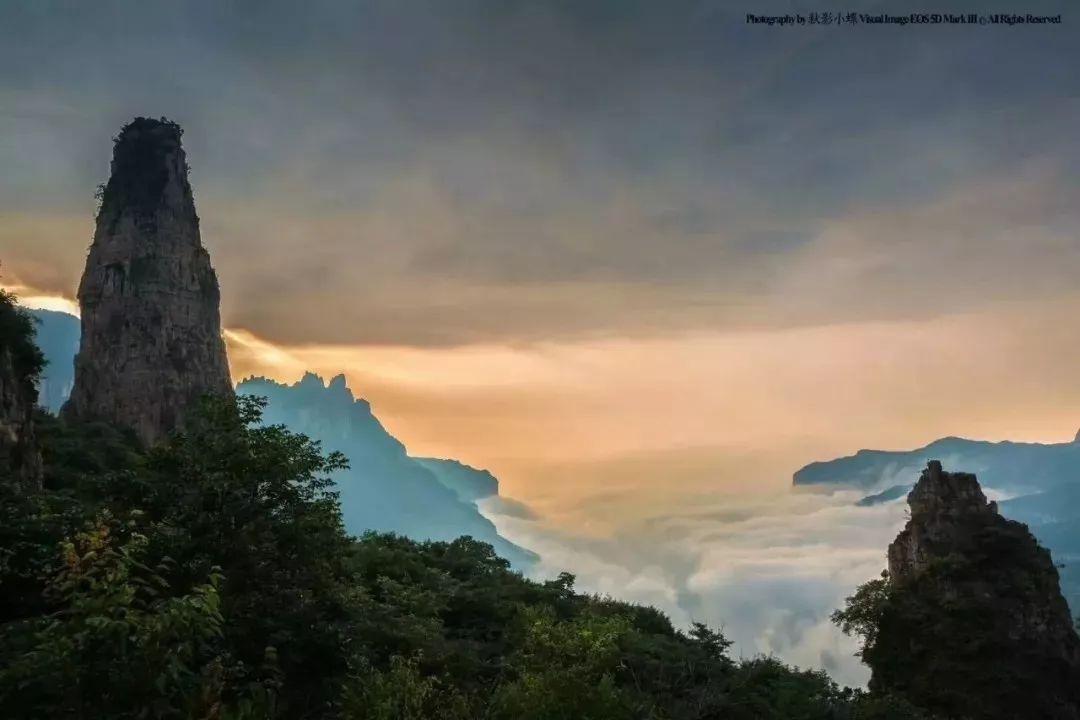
pixel 637 258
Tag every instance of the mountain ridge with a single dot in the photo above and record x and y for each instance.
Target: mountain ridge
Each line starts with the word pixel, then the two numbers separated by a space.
pixel 1038 483
pixel 425 498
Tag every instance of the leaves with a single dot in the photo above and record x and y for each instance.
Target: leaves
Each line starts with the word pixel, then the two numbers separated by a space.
pixel 211 578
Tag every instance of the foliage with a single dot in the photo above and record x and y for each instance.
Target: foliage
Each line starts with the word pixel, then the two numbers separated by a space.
pixel 951 639
pixel 401 692
pixel 119 645
pixel 211 577
pixel 863 612
pixel 17 341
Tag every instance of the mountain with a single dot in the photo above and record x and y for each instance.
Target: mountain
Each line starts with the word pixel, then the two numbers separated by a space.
pixel 151 343
pixel 1018 468
pixel 970 621
pixel 148 346
pixel 57 334
pixel 1040 485
pixel 468 483
pixel 384 489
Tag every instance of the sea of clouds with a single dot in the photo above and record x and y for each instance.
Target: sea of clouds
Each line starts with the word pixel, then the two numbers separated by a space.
pixel 768 568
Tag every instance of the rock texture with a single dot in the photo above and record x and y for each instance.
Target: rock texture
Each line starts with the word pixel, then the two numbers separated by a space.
pixel 1041 481
pixel 20 362
pixel 976 623
pixel 945 509
pixel 151 342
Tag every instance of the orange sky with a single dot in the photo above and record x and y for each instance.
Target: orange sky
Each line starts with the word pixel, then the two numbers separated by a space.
pixel 614 253
pixel 632 424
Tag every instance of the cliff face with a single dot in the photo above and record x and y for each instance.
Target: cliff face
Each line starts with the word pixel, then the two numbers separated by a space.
pixel 151 341
pixel 976 624
pixel 947 509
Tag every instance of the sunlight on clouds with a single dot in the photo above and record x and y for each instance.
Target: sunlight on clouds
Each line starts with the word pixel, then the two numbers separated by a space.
pixel 42 302
pixel 561 422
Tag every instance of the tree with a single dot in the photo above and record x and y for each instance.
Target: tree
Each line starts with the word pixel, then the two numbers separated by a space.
pixel 119 645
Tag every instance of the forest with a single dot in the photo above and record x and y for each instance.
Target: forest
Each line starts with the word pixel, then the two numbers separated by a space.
pixel 210 577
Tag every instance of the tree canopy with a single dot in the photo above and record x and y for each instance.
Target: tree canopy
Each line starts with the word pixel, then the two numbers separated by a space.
pixel 211 578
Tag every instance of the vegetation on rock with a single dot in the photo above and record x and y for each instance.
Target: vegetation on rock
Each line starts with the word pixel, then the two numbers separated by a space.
pixel 971 622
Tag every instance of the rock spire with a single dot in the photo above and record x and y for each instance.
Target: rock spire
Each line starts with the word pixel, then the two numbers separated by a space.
pixel 151 342
pixel 975 625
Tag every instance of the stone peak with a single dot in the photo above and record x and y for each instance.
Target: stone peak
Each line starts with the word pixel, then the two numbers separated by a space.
pixel 147 159
pixel 163 132
pixel 336 388
pixel 151 343
pixel 939 493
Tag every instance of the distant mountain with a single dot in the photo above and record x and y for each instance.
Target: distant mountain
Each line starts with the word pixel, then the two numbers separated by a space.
pixel 1039 484
pixel 57 334
pixel 1010 467
pixel 887 495
pixel 384 489
pixel 469 483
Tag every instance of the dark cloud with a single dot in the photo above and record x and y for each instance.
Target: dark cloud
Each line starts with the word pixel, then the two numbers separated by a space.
pixel 422 172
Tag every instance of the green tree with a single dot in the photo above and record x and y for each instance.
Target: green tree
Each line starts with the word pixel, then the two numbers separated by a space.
pixel 119 645
pixel 402 692
pixel 566 670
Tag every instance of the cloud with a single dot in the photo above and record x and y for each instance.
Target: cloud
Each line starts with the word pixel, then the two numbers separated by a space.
pixel 768 569
pixel 432 174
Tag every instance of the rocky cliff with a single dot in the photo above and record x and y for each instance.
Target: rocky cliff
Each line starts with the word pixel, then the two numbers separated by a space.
pixel 20 363
pixel 975 624
pixel 1041 482
pixel 947 511
pixel 151 331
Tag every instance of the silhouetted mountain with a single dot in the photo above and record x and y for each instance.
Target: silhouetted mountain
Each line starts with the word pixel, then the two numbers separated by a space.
pixel 57 334
pixel 1040 484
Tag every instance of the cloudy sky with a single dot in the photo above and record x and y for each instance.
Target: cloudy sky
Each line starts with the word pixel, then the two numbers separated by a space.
pixel 627 254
